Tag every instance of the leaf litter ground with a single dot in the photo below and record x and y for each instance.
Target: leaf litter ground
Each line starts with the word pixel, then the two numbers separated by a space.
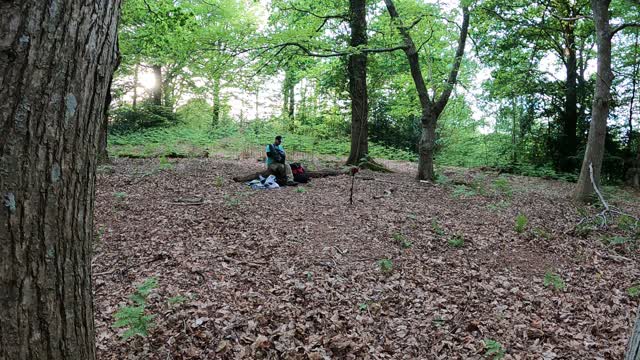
pixel 297 274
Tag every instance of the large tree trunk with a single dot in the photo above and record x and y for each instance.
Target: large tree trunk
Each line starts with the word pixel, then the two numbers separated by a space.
pixel 569 143
pixel 156 95
pixel 600 108
pixel 56 59
pixel 426 149
pixel 357 70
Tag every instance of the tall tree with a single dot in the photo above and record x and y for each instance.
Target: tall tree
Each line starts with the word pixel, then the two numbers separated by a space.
pixel 431 107
pixel 536 29
pixel 55 69
pixel 592 162
pixel 357 71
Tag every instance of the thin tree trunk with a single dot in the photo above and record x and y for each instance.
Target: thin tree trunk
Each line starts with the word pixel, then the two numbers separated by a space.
pixel 601 100
pixel 135 87
pixel 257 105
pixel 634 82
pixel 292 104
pixel 156 94
pixel 569 144
pixel 357 69
pixel 513 134
pixel 216 101
pixel 54 79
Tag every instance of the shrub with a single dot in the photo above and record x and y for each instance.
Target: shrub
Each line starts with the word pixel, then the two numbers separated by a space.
pixel 521 223
pixel 133 317
pixel 402 240
pixel 553 280
pixel 495 350
pixel 386 265
pixel 456 241
pixel 126 119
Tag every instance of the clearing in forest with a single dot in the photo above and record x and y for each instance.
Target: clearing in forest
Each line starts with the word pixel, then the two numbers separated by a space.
pixel 475 266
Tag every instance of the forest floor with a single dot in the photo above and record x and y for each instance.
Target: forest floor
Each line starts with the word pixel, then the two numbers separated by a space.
pixel 409 271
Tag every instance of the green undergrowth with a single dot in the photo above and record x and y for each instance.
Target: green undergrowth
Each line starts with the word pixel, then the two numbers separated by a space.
pixel 197 141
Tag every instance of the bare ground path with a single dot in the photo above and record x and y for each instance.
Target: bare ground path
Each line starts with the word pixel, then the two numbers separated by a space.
pixel 295 274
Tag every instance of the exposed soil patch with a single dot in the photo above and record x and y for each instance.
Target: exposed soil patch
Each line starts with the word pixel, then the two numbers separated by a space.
pixel 295 274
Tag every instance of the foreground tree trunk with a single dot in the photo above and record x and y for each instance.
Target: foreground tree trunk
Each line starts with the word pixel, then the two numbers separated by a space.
pixel 56 59
pixel 601 100
pixel 357 70
pixel 633 348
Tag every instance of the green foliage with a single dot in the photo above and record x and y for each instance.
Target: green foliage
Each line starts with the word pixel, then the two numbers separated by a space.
pixel 456 241
pixel 301 190
pixel 99 234
pixel 133 317
pixel 363 306
pixel 120 195
pixel 385 265
pixel 502 185
pixel 164 164
pixel 219 181
pixel 541 232
pixel 463 191
pixel 521 223
pixel 231 201
pixel 442 179
pixel 500 205
pixel 402 240
pixel 436 228
pixel 554 281
pixel 126 119
pixel 627 223
pixel 494 349
pixel 634 291
pixel 176 300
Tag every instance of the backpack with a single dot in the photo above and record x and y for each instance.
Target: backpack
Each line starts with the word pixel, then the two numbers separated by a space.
pixel 299 173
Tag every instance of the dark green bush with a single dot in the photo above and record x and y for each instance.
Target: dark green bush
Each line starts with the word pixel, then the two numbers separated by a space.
pixel 126 119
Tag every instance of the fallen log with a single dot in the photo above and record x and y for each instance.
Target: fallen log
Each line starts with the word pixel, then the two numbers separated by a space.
pixel 311 174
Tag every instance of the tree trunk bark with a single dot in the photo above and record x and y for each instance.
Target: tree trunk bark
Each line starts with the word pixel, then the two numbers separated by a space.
pixel 426 149
pixel 135 87
pixel 216 102
pixel 156 95
pixel 569 143
pixel 600 108
pixel 634 83
pixel 56 59
pixel 357 69
pixel 633 348
pixel 292 105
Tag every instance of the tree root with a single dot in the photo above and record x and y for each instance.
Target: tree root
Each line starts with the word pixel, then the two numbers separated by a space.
pixel 604 217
